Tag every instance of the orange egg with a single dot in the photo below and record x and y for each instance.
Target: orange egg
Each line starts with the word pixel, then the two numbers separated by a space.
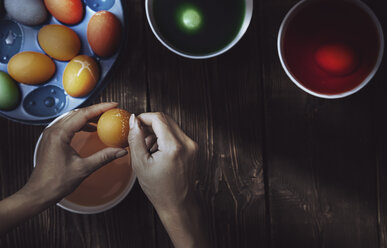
pixel 31 67
pixel 60 42
pixel 113 128
pixel 80 76
pixel 66 11
pixel 104 33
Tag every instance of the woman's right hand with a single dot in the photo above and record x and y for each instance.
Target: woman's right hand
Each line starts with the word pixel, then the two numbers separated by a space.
pixel 163 158
pixel 166 174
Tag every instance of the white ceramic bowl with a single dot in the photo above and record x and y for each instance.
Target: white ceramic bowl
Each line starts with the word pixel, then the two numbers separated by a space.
pixel 242 31
pixel 292 12
pixel 80 209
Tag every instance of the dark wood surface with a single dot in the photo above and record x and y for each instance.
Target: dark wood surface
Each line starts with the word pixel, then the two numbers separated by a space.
pixel 277 167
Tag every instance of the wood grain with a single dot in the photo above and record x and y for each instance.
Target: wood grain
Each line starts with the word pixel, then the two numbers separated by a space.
pixel 321 158
pixel 131 223
pixel 218 103
pixel 277 167
pixel 379 119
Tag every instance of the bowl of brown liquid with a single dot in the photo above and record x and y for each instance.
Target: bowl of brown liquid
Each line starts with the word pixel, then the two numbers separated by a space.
pixel 104 188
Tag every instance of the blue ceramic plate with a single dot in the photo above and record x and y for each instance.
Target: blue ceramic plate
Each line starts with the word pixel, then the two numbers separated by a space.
pixel 41 103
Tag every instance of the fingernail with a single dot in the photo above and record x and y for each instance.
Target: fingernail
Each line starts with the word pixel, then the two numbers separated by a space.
pixel 131 121
pixel 121 153
pixel 137 122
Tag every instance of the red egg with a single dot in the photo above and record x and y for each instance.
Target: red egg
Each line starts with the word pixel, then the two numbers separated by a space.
pixel 337 59
pixel 66 11
pixel 104 33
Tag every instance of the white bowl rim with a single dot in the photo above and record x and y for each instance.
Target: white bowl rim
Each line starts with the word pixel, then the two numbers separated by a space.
pixel 376 22
pixel 241 33
pixel 80 209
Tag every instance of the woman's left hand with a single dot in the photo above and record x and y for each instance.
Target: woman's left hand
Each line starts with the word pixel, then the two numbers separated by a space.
pixel 59 169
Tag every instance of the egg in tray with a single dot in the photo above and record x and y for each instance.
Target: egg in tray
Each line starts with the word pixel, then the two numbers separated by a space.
pixel 55 54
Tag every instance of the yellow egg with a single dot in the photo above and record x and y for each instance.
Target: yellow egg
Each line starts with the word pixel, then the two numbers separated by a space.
pixel 113 128
pixel 60 42
pixel 31 68
pixel 80 76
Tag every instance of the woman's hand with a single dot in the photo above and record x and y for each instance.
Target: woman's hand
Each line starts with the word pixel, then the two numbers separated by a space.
pixel 163 158
pixel 165 175
pixel 59 169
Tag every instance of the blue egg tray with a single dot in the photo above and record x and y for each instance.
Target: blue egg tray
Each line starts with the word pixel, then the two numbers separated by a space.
pixel 41 103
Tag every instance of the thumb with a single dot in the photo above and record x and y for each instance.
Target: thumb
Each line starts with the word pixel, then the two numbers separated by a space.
pixel 136 139
pixel 103 157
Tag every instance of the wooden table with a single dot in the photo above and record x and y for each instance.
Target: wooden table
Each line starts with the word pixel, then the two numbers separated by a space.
pixel 277 167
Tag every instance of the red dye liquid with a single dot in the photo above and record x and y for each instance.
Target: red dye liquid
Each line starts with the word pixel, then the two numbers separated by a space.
pixel 337 59
pixel 330 46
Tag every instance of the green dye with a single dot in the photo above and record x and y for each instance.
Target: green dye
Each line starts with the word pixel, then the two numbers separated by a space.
pixel 199 27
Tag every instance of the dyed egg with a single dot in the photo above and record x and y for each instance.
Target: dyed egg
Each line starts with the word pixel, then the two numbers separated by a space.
pixel 190 18
pixel 113 128
pixel 60 42
pixel 28 12
pixel 104 33
pixel 80 76
pixel 337 59
pixel 9 92
pixel 31 67
pixel 66 11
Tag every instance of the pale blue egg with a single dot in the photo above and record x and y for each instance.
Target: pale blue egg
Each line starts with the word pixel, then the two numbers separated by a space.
pixel 27 12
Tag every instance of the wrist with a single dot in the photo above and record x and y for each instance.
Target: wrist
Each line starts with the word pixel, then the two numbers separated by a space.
pixel 19 207
pixel 35 197
pixel 187 209
pixel 184 224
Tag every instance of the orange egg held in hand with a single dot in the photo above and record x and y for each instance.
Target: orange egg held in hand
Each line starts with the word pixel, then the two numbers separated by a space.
pixel 113 128
pixel 337 59
pixel 66 11
pixel 104 33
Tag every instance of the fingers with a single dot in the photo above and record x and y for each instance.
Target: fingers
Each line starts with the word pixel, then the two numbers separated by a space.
pixel 89 127
pixel 138 148
pixel 161 128
pixel 81 117
pixel 76 120
pixel 150 141
pixel 102 158
pixel 154 148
